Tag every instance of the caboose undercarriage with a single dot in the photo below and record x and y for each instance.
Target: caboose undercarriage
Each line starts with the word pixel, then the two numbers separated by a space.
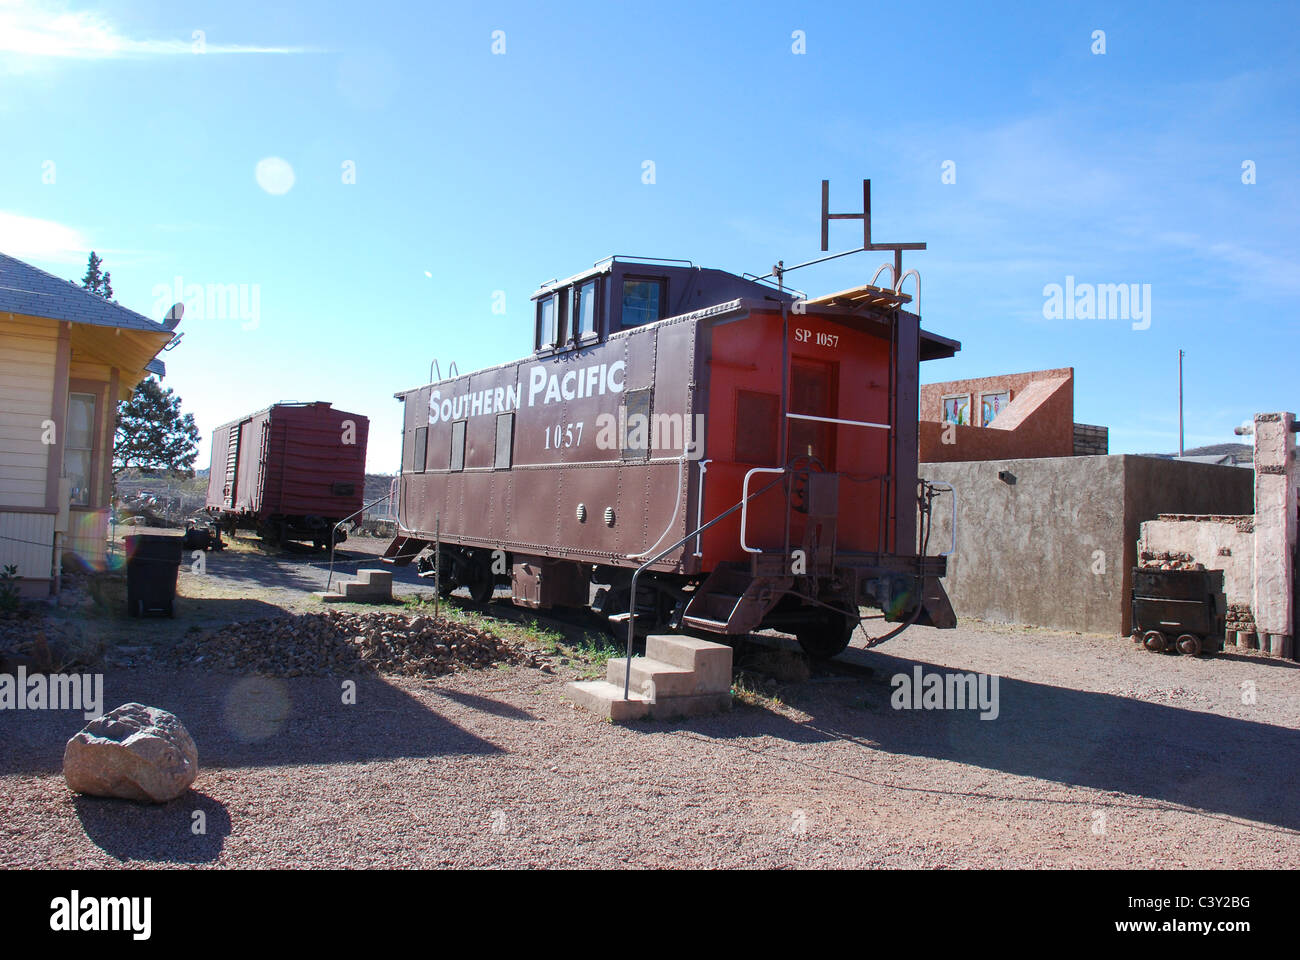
pixel 811 591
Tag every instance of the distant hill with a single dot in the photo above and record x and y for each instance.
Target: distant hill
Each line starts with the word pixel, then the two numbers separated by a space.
pixel 1243 452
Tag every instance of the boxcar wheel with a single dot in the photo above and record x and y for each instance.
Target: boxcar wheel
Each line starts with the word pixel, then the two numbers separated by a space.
pixel 826 637
pixel 1154 641
pixel 1189 645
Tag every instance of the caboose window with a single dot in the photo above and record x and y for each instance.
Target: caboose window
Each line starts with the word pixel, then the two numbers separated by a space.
pixel 505 437
pixel 458 445
pixel 584 310
pixel 636 424
pixel 642 302
pixel 421 447
pixel 547 330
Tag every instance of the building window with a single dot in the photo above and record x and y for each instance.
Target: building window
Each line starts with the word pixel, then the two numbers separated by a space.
pixel 956 409
pixel 505 437
pixel 757 416
pixel 78 447
pixel 547 326
pixel 584 310
pixel 421 449
pixel 458 445
pixel 991 404
pixel 642 302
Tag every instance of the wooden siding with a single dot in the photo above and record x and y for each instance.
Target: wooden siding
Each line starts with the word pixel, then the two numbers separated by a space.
pixel 27 539
pixel 28 352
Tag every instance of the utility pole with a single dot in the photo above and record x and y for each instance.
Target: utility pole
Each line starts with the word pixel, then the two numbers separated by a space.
pixel 1181 354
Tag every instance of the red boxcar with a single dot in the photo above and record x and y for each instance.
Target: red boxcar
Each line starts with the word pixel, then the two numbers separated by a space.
pixel 754 451
pixel 290 472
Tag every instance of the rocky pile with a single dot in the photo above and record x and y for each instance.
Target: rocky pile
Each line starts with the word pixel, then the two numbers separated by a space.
pixel 44 644
pixel 334 642
pixel 1167 560
pixel 1240 618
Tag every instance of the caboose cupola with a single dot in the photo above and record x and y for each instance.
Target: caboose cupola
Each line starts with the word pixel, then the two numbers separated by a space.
pixel 621 293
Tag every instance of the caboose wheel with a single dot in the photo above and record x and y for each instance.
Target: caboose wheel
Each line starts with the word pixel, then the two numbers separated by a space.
pixel 1154 641
pixel 1189 645
pixel 481 582
pixel 827 636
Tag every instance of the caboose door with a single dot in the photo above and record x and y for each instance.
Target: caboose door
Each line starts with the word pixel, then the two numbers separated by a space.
pixel 813 393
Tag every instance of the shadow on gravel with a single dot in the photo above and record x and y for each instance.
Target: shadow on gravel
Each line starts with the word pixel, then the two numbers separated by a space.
pixel 253 721
pixel 1166 753
pixel 485 704
pixel 164 833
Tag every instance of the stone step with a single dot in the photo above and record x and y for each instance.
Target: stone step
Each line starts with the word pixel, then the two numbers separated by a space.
pixel 709 661
pixel 379 579
pixel 606 700
pixel 653 678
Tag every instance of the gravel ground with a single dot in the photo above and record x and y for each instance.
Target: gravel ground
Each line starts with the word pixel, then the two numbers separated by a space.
pixel 1102 755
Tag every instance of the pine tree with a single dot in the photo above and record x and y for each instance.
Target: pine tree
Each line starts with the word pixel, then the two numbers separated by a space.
pixel 153 434
pixel 96 282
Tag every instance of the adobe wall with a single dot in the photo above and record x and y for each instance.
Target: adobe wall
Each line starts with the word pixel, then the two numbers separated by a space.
pixel 1054 543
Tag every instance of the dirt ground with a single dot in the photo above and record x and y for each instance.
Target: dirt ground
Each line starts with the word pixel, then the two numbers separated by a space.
pixel 1101 755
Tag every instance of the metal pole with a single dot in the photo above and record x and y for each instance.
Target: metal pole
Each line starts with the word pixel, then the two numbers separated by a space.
pixel 437 563
pixel 1181 354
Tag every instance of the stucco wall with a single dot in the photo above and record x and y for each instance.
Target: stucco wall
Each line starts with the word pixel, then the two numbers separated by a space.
pixel 1056 547
pixel 1219 543
pixel 1039 422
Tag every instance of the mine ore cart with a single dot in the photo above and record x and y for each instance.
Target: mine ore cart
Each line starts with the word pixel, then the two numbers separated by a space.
pixel 1176 610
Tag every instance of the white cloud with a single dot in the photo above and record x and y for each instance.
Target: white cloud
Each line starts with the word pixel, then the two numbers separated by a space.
pixel 33 30
pixel 29 238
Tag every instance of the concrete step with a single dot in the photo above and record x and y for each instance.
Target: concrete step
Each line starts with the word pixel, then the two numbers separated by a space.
pixel 710 662
pixel 606 700
pixel 653 678
pixel 379 579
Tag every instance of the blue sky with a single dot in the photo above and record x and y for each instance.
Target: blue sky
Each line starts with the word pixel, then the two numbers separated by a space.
pixel 478 172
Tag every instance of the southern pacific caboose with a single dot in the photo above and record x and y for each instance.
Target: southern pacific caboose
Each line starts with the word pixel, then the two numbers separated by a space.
pixel 660 397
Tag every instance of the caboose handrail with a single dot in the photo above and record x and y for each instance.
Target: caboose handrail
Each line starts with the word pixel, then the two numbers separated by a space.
pixel 335 529
pixel 631 606
pixel 744 499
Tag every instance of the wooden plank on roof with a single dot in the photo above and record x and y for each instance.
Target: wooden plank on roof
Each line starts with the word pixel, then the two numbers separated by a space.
pixel 865 295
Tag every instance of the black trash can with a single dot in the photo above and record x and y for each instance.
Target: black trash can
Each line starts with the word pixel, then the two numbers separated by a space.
pixel 152 563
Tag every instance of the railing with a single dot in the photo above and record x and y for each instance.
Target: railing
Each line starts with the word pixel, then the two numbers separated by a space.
pixel 631 620
pixel 334 532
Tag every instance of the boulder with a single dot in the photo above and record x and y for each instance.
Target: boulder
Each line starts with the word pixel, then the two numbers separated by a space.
pixel 135 752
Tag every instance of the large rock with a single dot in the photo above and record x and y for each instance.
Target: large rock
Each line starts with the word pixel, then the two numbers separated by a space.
pixel 136 752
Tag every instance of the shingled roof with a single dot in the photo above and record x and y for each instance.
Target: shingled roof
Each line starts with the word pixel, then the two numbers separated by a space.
pixel 25 289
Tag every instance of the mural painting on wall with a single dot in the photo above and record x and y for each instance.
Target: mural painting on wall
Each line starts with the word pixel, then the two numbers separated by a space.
pixel 957 410
pixel 992 405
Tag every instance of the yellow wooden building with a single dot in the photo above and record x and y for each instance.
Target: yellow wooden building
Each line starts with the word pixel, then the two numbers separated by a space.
pixel 67 357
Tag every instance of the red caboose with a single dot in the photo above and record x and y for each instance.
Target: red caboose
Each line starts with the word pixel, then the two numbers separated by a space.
pixel 752 453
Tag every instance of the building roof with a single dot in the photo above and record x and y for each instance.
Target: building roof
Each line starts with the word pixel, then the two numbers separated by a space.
pixel 25 289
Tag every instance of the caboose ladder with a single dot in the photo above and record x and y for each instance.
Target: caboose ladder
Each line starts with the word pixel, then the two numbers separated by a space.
pixel 733 601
